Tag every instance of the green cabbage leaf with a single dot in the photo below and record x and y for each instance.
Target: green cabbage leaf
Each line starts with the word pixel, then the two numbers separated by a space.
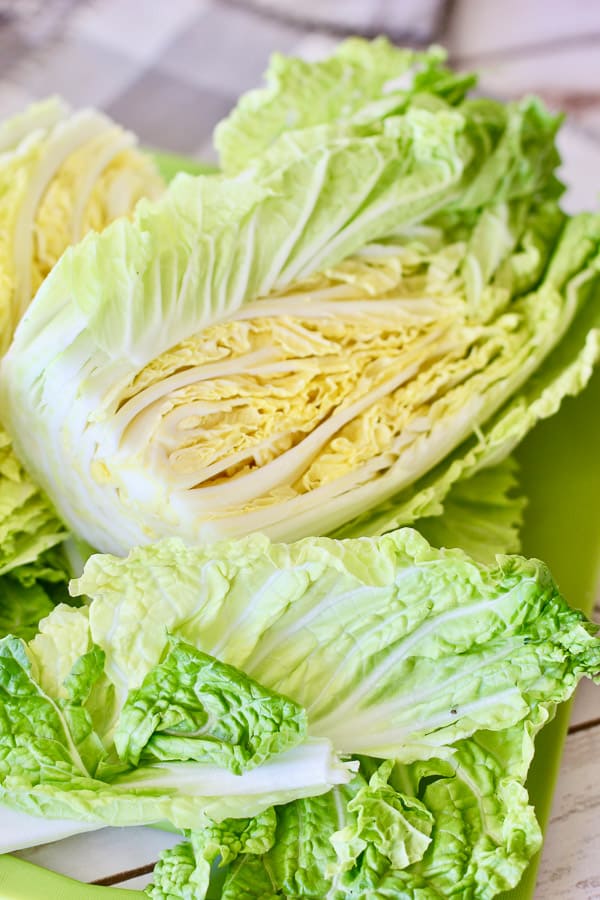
pixel 431 829
pixel 215 744
pixel 482 515
pixel 361 82
pixel 392 647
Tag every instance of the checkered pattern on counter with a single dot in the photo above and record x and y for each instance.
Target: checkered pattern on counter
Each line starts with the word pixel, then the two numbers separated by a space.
pixel 167 69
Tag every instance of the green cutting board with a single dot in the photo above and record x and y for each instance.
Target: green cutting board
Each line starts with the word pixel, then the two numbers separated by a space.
pixel 560 474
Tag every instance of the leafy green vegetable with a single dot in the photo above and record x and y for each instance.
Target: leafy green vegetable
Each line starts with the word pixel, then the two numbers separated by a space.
pixel 62 174
pixel 482 514
pixel 373 276
pixel 55 762
pixel 397 827
pixel 445 667
pixel 361 81
pixel 44 740
pixel 28 524
pixel 191 706
pixel 349 331
pixel 184 871
pixel 21 608
pixel 393 648
pixel 485 830
pixel 565 372
pixel 53 568
pixel 459 826
pixel 33 568
pixel 179 873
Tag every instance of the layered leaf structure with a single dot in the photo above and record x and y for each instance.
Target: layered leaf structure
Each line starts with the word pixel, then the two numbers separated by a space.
pixel 392 647
pixel 34 568
pixel 361 82
pixel 326 342
pixel 63 173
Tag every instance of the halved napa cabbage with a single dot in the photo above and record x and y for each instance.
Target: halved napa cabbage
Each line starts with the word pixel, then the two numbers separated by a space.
pixel 336 335
pixel 62 173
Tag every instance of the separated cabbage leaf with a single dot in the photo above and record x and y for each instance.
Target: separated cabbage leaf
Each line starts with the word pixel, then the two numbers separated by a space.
pixel 55 763
pixel 445 666
pixel 394 649
pixel 286 349
pixel 191 706
pixel 461 825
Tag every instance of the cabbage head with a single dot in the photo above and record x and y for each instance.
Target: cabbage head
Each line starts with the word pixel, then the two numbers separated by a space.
pixel 62 174
pixel 324 342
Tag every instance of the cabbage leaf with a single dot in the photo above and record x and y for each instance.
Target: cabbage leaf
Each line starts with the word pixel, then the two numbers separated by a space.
pixel 432 829
pixel 278 662
pixel 33 568
pixel 362 81
pixel 393 648
pixel 191 706
pixel 482 515
pixel 62 174
pixel 55 763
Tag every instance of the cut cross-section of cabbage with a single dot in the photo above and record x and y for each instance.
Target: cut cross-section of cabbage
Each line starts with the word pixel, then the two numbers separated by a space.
pixel 297 346
pixel 62 173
